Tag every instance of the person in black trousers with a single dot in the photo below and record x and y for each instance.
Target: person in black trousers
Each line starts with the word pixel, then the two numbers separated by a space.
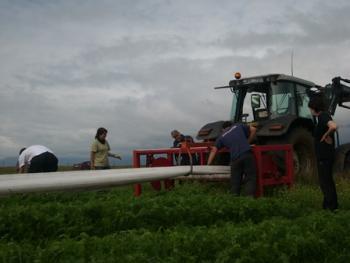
pixel 237 139
pixel 325 151
pixel 37 159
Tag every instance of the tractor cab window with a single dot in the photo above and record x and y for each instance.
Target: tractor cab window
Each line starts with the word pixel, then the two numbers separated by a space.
pixel 258 106
pixel 249 103
pixel 282 99
pixel 254 106
pixel 303 101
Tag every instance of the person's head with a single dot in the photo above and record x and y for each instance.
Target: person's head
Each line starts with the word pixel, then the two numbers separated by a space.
pixel 175 134
pixel 22 150
pixel 316 105
pixel 226 124
pixel 101 134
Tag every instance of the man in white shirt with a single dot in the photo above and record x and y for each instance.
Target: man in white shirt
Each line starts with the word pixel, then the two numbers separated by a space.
pixel 37 159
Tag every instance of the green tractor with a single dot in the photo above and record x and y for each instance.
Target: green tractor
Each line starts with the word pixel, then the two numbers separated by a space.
pixel 277 105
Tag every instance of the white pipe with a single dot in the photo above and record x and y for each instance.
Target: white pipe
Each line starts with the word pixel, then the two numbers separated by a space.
pixel 96 179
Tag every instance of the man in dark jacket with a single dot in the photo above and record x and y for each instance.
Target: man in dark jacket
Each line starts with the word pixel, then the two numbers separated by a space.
pixel 324 150
pixel 237 139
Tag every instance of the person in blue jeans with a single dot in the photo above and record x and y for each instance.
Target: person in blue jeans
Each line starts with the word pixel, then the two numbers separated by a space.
pixel 237 139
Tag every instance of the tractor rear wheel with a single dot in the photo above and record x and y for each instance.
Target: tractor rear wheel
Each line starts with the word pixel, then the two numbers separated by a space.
pixel 304 160
pixel 303 153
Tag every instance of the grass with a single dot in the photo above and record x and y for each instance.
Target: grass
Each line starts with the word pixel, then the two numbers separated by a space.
pixel 192 223
pixel 7 170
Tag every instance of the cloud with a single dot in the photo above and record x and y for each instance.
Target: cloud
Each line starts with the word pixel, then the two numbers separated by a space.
pixel 143 68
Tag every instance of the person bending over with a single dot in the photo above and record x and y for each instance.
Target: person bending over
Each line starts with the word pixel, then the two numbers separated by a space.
pixel 237 139
pixel 37 159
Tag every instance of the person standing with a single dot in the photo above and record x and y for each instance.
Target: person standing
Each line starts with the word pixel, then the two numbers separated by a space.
pixel 324 148
pixel 37 159
pixel 237 139
pixel 100 151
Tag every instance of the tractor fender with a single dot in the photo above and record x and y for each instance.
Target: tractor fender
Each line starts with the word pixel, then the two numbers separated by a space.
pixel 282 125
pixel 342 158
pixel 210 131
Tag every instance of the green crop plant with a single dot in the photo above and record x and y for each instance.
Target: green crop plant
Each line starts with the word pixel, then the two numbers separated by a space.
pixel 191 223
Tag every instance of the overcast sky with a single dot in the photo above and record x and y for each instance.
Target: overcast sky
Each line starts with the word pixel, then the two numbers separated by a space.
pixel 142 68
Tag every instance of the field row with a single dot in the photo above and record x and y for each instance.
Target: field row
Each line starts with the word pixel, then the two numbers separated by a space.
pixel 319 237
pixel 49 216
pixel 192 223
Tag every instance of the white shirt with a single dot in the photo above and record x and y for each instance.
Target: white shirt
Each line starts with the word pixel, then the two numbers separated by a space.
pixel 28 154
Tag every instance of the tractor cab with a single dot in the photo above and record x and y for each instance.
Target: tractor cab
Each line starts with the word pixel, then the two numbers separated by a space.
pixel 270 97
pixel 269 102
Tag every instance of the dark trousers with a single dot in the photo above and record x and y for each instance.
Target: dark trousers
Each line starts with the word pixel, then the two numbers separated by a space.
pixel 244 165
pixel 45 162
pixel 325 177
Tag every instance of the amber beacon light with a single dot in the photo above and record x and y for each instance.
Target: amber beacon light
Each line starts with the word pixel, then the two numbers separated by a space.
pixel 237 75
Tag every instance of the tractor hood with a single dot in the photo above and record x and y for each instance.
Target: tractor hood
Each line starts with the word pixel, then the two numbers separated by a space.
pixel 210 131
pixel 269 128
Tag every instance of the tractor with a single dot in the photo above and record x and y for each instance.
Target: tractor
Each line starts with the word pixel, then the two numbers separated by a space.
pixel 277 105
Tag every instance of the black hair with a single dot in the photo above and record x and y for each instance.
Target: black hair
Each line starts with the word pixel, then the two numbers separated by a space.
pixel 318 103
pixel 226 124
pixel 174 133
pixel 99 132
pixel 21 150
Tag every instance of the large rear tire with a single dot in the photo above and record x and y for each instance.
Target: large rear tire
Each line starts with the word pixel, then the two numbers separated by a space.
pixel 303 152
pixel 305 166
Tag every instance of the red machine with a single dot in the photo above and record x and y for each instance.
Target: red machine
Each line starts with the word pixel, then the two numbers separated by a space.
pixel 272 169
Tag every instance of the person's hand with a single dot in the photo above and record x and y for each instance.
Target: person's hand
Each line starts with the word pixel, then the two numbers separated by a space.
pixel 117 156
pixel 327 139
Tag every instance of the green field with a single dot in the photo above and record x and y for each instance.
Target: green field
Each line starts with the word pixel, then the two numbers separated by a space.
pixel 192 223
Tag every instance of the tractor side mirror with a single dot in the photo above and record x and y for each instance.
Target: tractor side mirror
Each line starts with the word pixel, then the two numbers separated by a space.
pixel 255 101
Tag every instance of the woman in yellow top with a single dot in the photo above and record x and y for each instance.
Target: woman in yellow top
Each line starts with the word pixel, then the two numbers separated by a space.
pixel 100 151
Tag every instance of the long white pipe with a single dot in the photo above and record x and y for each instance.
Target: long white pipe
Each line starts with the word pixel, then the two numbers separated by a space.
pixel 96 179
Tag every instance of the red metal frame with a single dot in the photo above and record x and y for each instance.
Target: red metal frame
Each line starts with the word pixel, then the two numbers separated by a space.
pixel 268 172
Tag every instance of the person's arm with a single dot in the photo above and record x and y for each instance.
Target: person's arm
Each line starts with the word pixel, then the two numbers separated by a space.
pixel 92 160
pixel 252 132
pixel 212 154
pixel 21 170
pixel 332 126
pixel 21 164
pixel 114 155
pixel 94 150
